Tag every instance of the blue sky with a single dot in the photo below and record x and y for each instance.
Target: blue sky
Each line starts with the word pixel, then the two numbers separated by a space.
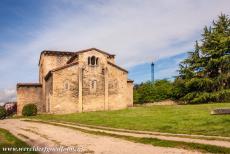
pixel 137 31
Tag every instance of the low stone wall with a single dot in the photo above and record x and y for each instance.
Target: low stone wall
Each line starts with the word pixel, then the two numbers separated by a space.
pixel 27 94
pixel 220 111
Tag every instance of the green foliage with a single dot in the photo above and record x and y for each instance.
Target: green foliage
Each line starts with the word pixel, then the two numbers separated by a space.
pixel 136 96
pixel 204 76
pixel 2 112
pixel 179 90
pixel 29 110
pixel 151 92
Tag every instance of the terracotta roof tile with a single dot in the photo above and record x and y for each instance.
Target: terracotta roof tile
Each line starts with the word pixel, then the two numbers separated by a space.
pixel 130 80
pixel 28 85
pixel 81 51
pixel 52 52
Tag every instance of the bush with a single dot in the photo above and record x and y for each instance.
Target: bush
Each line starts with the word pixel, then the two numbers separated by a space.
pixel 2 112
pixel 152 92
pixel 29 110
pixel 179 90
pixel 205 97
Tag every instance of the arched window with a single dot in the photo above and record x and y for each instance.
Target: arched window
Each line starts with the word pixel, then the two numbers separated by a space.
pixel 93 60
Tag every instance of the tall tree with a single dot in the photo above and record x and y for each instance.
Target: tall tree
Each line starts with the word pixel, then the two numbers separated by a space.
pixel 206 71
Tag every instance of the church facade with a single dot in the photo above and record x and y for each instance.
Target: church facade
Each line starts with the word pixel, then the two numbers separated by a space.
pixel 69 82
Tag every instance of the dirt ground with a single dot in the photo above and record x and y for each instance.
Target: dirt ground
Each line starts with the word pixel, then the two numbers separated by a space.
pixel 45 135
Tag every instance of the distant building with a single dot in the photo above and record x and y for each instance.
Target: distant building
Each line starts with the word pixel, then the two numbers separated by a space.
pixel 11 107
pixel 87 80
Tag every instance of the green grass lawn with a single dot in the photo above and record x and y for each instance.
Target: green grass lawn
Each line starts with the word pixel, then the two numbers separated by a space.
pixel 7 140
pixel 185 119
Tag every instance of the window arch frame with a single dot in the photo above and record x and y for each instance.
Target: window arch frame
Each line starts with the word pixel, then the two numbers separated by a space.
pixel 93 61
pixel 93 86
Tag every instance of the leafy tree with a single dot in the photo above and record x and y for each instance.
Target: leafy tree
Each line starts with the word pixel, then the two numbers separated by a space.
pixel 152 92
pixel 2 112
pixel 205 75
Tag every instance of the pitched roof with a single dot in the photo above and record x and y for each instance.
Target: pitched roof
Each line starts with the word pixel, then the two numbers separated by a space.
pixel 28 85
pixel 58 68
pixel 129 80
pixel 81 51
pixel 114 65
pixel 52 52
pixel 103 52
pixel 72 59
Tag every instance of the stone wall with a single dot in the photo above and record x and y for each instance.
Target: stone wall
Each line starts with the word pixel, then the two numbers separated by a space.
pixel 48 93
pixel 129 93
pixel 118 91
pixel 65 91
pixel 47 63
pixel 93 90
pixel 93 85
pixel 29 94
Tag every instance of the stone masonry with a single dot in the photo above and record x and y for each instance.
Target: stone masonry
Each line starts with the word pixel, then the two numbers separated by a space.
pixel 69 82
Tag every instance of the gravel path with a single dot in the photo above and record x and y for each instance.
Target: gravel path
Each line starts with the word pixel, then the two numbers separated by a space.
pixel 37 134
pixel 162 136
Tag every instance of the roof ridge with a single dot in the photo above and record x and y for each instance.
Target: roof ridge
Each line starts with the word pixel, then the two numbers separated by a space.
pixel 85 50
pixel 117 66
pixel 28 84
pixel 55 52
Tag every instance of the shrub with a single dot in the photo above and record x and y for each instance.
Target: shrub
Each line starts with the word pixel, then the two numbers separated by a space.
pixel 205 97
pixel 152 92
pixel 2 112
pixel 29 110
pixel 179 90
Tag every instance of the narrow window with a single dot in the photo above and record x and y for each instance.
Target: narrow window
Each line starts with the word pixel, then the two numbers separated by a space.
pixel 93 86
pixel 93 60
pixel 66 85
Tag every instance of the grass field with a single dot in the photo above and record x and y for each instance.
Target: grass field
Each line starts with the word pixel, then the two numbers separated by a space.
pixel 185 119
pixel 7 140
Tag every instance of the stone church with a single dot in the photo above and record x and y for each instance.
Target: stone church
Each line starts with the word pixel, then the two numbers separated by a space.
pixel 69 82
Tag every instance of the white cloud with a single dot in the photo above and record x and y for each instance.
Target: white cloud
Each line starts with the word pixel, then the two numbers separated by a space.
pixel 7 95
pixel 126 28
